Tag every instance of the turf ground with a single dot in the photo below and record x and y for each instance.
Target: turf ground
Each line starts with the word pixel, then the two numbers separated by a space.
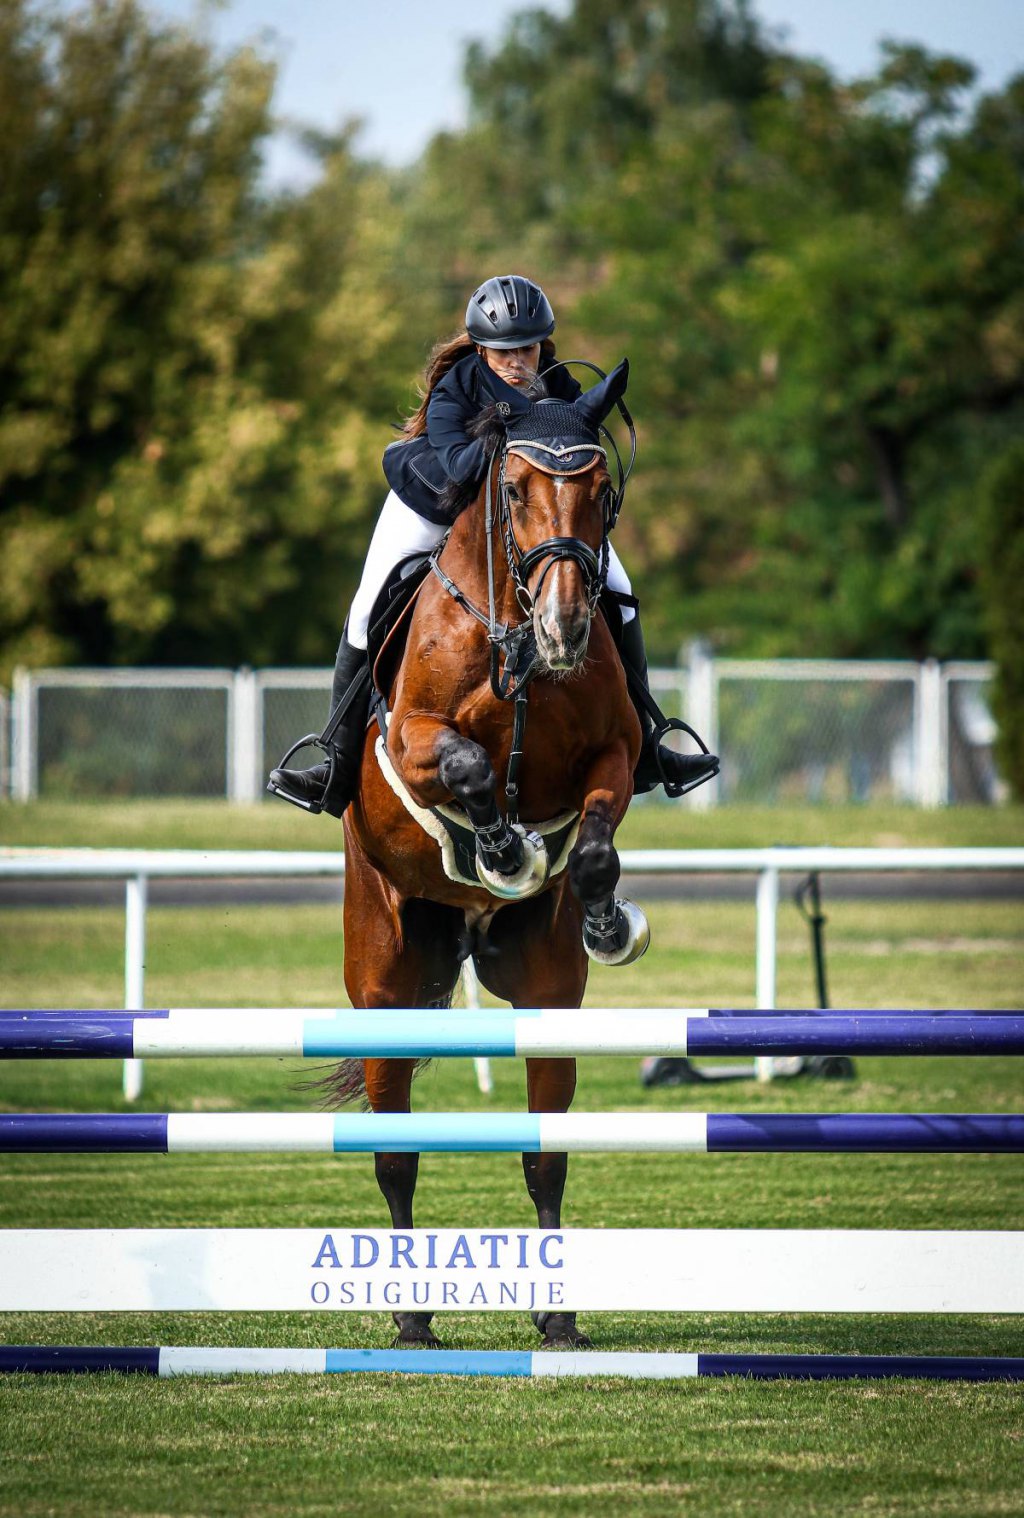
pixel 309 1446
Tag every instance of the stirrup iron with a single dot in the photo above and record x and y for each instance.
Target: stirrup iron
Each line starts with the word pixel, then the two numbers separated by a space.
pixel 674 788
pixel 311 740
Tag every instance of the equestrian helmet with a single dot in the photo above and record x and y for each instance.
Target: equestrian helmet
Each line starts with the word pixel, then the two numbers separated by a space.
pixel 509 311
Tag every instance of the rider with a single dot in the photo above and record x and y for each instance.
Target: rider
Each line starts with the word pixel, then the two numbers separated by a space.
pixel 499 359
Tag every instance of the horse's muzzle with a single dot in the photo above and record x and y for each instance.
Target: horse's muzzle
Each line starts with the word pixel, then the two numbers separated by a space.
pixel 561 648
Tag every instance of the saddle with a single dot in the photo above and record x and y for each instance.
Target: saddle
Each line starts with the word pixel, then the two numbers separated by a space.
pixel 394 599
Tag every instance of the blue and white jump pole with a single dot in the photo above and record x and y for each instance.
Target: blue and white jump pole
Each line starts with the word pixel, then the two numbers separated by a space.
pixel 168 1362
pixel 511 1132
pixel 316 1033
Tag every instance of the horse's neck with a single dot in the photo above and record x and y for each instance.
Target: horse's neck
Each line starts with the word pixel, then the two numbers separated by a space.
pixel 465 560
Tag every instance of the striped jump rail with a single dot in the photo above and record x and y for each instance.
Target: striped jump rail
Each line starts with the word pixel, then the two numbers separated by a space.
pixel 512 1132
pixel 337 1033
pixel 168 1362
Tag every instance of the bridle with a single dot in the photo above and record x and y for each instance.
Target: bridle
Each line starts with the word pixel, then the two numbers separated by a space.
pixel 511 669
pixel 522 563
pixel 593 564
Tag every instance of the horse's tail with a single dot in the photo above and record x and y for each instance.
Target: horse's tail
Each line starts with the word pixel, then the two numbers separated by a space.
pixel 345 1083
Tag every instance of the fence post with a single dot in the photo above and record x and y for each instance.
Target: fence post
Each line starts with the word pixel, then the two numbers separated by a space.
pixel 134 972
pixel 244 758
pixel 932 773
pixel 471 992
pixel 24 765
pixel 702 714
pixel 767 913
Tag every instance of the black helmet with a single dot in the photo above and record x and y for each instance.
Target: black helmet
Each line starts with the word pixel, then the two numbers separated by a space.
pixel 509 311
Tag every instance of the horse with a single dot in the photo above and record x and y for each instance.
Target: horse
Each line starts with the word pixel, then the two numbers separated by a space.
pixel 505 621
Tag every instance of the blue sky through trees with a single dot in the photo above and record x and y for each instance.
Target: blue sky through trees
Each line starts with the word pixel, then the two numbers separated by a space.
pixel 396 64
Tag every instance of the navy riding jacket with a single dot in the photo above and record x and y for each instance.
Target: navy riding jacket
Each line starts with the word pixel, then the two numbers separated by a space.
pixel 419 469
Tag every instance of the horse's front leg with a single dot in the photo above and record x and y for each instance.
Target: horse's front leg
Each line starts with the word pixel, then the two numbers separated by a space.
pixel 436 762
pixel 615 931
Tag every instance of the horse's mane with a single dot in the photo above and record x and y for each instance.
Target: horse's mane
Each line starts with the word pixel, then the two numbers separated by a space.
pixel 488 426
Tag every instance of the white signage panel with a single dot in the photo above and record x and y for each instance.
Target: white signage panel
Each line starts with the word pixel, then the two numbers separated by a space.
pixel 503 1269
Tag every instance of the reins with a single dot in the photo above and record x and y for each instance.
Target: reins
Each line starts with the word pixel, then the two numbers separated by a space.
pixel 510 679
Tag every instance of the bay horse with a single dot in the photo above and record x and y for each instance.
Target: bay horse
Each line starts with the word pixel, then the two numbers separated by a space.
pixel 510 610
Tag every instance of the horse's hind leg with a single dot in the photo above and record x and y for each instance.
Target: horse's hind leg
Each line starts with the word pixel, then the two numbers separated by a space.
pixel 388 1083
pixel 551 1085
pixel 396 955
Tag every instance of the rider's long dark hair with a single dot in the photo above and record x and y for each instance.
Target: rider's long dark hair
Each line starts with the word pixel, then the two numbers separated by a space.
pixel 445 356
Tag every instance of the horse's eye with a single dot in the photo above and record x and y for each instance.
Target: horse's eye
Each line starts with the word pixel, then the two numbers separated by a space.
pixel 513 494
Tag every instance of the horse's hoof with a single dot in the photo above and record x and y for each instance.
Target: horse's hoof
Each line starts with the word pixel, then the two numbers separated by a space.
pixel 628 940
pixel 414 1331
pixel 531 876
pixel 426 1340
pixel 560 1331
pixel 571 1340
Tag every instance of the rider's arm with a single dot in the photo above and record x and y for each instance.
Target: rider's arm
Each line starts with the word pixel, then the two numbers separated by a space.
pixel 455 401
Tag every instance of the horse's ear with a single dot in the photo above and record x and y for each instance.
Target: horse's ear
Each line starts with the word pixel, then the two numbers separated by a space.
pixel 599 400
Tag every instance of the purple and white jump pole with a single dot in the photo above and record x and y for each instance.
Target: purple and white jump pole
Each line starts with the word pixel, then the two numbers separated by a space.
pixel 168 1362
pixel 489 1033
pixel 511 1132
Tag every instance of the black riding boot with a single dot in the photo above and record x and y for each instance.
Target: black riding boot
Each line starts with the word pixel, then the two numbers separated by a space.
pixel 316 789
pixel 685 770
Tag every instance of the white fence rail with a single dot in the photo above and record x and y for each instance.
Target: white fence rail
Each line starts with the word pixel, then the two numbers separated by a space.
pixel 136 867
pixel 801 730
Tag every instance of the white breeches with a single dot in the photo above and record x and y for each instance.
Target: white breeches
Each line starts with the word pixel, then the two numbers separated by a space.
pixel 400 532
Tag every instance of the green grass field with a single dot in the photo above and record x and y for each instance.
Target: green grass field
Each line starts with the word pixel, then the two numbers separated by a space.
pixel 313 1446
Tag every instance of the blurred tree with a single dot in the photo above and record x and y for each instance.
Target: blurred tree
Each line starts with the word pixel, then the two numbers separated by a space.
pixel 186 371
pixel 124 220
pixel 818 284
pixel 872 300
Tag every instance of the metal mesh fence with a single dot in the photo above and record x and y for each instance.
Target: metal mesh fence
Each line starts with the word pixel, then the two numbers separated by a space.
pixel 970 735
pixel 787 731
pixel 291 703
pixel 133 736
pixel 808 738
pixel 669 687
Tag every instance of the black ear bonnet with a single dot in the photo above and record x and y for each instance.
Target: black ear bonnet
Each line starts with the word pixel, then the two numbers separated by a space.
pixel 564 437
pixel 556 437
